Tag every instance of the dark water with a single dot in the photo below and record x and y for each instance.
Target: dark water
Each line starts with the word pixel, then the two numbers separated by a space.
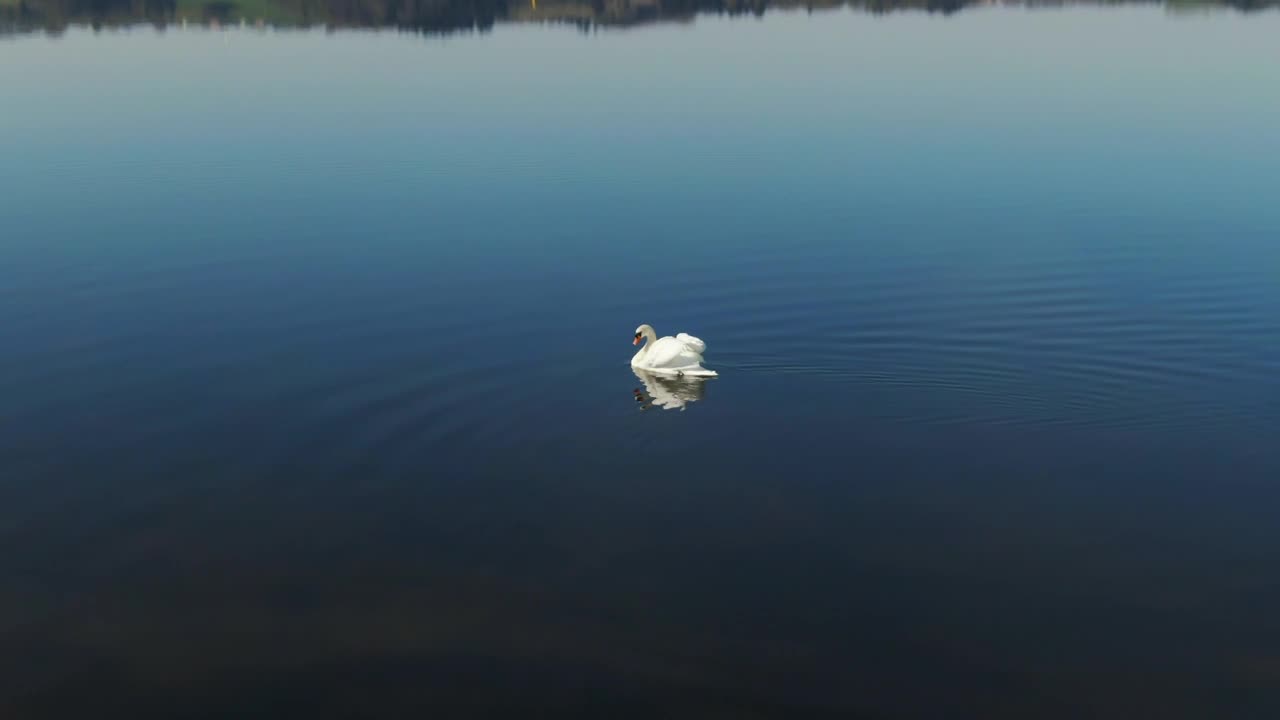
pixel 315 396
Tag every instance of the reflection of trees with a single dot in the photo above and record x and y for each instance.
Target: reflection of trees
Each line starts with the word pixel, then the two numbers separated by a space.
pixel 442 16
pixel 422 15
pixel 425 15
pixel 56 15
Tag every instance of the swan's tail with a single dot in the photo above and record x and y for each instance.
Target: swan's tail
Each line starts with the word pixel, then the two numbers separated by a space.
pixel 689 371
pixel 699 372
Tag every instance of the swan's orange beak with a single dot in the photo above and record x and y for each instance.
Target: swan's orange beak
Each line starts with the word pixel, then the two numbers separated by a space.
pixel 636 341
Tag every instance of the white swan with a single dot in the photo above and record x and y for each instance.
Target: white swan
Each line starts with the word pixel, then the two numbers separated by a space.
pixel 679 355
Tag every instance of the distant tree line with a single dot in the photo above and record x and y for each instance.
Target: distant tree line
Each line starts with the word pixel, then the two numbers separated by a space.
pixel 446 16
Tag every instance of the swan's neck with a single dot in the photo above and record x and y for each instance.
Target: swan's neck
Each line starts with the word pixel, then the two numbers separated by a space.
pixel 650 337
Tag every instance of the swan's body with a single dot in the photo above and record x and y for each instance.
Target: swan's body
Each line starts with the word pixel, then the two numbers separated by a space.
pixel 679 355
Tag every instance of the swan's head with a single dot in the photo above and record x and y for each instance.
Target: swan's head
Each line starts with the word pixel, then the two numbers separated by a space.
pixel 640 332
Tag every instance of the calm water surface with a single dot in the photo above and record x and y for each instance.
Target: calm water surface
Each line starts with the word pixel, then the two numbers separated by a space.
pixel 314 394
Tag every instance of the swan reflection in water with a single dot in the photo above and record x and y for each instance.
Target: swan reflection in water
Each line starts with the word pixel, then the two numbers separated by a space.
pixel 668 392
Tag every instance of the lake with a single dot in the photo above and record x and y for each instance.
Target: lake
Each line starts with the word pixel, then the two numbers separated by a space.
pixel 317 319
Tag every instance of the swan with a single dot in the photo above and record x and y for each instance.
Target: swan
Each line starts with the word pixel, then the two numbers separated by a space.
pixel 679 355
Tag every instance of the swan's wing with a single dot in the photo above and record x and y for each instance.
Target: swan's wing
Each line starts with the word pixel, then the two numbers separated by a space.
pixel 666 352
pixel 694 344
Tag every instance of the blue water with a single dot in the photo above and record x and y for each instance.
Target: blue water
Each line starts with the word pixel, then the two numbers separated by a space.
pixel 315 397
